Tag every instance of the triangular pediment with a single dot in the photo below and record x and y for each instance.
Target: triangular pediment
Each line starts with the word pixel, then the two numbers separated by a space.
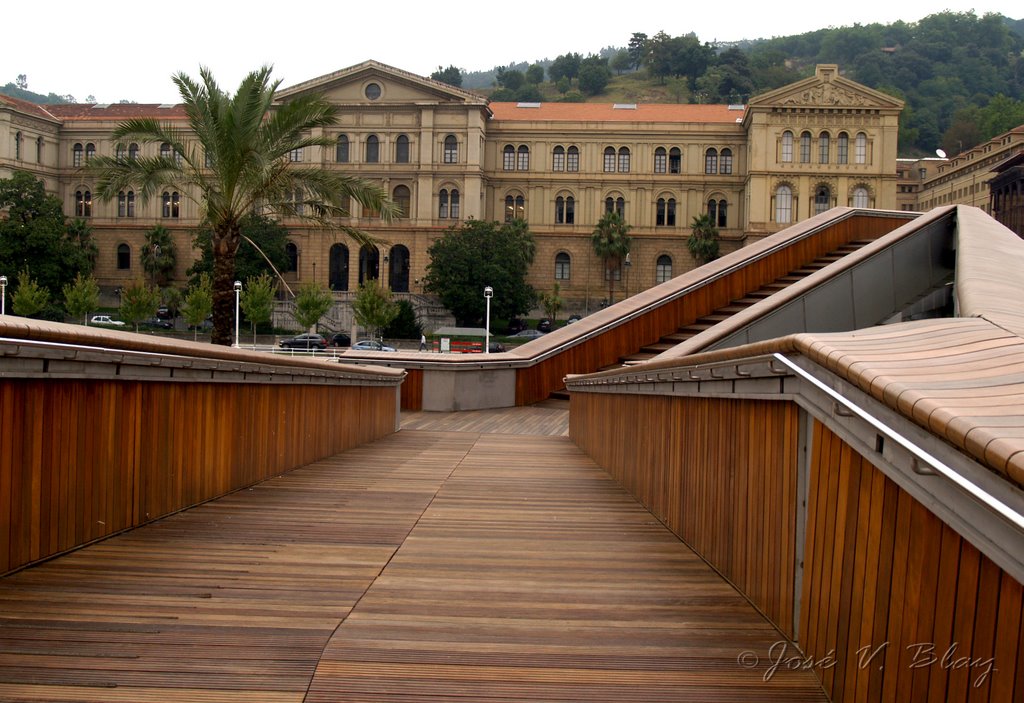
pixel 826 88
pixel 353 86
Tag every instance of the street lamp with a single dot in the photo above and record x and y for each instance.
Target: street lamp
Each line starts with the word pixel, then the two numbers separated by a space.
pixel 629 264
pixel 488 294
pixel 3 295
pixel 238 291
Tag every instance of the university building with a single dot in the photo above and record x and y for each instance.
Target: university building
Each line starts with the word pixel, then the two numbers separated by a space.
pixel 446 155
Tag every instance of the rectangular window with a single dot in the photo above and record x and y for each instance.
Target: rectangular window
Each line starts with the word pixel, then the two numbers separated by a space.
pixel 726 164
pixel 573 160
pixel 675 162
pixel 558 161
pixel 660 162
pixel 523 164
pixel 609 161
pixel 509 163
pixel 623 161
pixel 295 155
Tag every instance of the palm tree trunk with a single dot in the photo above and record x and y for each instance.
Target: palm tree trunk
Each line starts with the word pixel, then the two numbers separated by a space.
pixel 225 245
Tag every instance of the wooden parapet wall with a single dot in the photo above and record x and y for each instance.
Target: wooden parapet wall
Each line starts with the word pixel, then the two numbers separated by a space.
pixel 98 440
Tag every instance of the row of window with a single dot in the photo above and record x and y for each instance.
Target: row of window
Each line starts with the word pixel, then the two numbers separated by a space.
pixel 665 210
pixel 80 154
pixel 563 268
pixel 785 201
pixel 842 148
pixel 616 160
pixel 17 148
pixel 170 204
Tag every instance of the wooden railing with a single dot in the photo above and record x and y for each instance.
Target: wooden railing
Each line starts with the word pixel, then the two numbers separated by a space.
pixel 102 432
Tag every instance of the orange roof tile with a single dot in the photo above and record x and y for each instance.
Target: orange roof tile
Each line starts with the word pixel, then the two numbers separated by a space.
pixel 606 112
pixel 119 111
pixel 27 107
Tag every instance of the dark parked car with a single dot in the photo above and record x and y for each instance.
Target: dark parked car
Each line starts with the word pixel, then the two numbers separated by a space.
pixel 164 313
pixel 304 341
pixel 515 325
pixel 157 323
pixel 544 324
pixel 341 340
pixel 495 347
pixel 528 334
pixel 572 319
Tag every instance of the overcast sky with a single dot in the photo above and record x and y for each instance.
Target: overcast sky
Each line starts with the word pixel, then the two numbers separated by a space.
pixel 117 51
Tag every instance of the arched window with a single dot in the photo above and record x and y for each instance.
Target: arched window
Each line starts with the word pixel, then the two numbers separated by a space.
pixel 666 213
pixel 90 151
pixel 675 160
pixel 170 204
pixel 711 161
pixel 558 158
pixel 451 149
pixel 165 151
pixel 725 164
pixel 17 146
pixel 133 151
pixel 515 208
pixel 861 197
pixel 563 266
pixel 822 199
pixel 341 149
pixel 398 269
pixel 131 203
pixel 508 158
pixel 76 155
pixel 523 158
pixel 784 204
pixel 122 204
pixel 613 204
pixel 402 149
pixel 843 148
pixel 712 210
pixel 454 210
pixel 120 153
pixel 823 148
pixel 572 159
pixel 722 218
pixel 663 269
pixel 402 198
pixel 787 147
pixel 565 210
pixel 369 264
pixel 291 252
pixel 83 203
pixel 124 257
pixel 660 160
pixel 861 149
pixel 609 159
pixel 338 266
pixel 805 148
pixel 39 150
pixel 372 149
pixel 442 204
pixel 623 160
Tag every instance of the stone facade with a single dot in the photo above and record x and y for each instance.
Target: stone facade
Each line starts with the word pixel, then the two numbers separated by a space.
pixel 451 155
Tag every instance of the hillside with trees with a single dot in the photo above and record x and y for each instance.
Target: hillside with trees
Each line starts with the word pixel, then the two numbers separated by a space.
pixel 961 75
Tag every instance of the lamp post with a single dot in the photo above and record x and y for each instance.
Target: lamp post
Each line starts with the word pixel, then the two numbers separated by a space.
pixel 629 265
pixel 3 295
pixel 488 294
pixel 238 291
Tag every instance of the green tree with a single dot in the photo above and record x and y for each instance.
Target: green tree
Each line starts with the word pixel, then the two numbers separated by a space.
pixel 703 240
pixel 510 78
pixel 535 74
pixel 594 75
pixel 139 302
pixel 621 62
pixel 171 298
pixel 237 159
pixel 311 303
pixel 158 254
pixel 262 249
pixel 451 75
pixel 34 232
pixel 29 298
pixel 638 49
pixel 478 254
pixel 198 303
pixel 551 302
pixel 611 242
pixel 81 297
pixel 373 308
pixel 405 325
pixel 565 66
pixel 257 300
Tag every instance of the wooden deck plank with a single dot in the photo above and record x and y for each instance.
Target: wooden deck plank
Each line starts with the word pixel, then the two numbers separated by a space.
pixel 431 565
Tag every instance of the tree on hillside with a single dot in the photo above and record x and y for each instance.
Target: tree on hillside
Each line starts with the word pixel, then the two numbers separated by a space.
pixel 564 66
pixel 451 75
pixel 478 254
pixel 594 75
pixel 236 160
pixel 611 243
pixel 535 74
pixel 638 48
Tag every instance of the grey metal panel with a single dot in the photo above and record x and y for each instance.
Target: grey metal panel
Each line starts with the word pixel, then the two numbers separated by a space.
pixel 785 320
pixel 830 306
pixel 874 290
pixel 911 273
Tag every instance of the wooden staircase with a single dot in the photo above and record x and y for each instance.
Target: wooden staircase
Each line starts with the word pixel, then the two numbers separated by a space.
pixel 649 351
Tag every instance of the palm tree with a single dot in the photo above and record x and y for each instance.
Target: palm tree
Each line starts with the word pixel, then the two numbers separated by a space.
pixel 703 240
pixel 236 161
pixel 611 244
pixel 158 254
